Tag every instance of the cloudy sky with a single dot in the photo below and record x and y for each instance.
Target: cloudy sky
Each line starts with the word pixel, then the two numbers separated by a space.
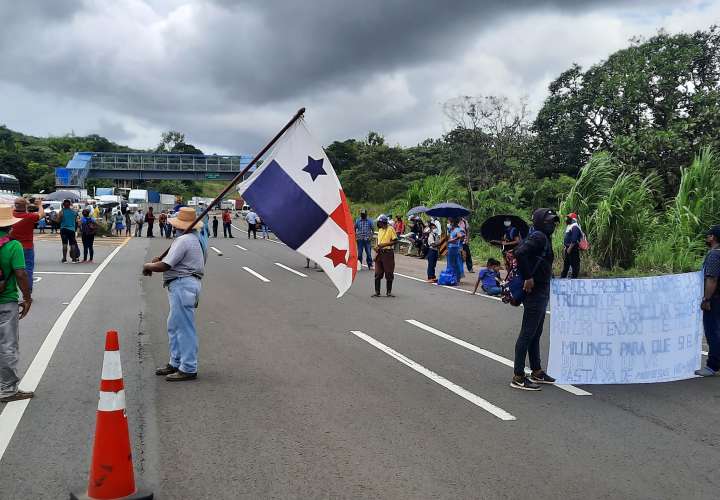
pixel 230 73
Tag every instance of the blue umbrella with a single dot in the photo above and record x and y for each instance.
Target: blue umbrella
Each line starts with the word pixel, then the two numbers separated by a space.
pixel 417 210
pixel 448 210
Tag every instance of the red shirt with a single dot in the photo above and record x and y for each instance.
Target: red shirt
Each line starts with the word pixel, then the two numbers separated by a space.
pixel 227 217
pixel 23 231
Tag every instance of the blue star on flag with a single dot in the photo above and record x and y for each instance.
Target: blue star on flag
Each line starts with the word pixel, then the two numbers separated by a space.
pixel 314 168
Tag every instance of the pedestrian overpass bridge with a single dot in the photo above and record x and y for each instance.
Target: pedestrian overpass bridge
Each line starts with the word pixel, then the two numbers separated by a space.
pixel 148 166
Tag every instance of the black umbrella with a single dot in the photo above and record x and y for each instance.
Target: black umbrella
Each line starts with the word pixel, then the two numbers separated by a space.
pixel 417 210
pixel 448 210
pixel 494 227
pixel 62 195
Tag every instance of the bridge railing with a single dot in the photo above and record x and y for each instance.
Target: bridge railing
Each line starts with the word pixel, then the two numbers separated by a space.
pixel 167 162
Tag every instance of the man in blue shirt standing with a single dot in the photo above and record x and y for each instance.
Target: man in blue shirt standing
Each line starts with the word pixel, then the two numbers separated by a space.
pixel 573 235
pixel 364 236
pixel 711 303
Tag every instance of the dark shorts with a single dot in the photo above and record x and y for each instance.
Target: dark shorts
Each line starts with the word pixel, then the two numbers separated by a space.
pixel 67 237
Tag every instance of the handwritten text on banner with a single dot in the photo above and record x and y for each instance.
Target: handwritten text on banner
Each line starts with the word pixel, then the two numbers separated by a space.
pixel 625 330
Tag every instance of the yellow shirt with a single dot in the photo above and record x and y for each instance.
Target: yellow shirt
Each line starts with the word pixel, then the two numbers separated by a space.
pixel 386 235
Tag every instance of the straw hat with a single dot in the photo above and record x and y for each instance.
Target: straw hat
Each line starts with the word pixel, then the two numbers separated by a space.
pixel 185 217
pixel 6 216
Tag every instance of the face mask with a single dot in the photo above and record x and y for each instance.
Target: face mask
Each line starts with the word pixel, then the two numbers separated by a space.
pixel 507 223
pixel 548 227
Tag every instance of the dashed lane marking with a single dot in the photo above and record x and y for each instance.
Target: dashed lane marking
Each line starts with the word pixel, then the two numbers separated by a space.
pixel 216 250
pixel 13 411
pixel 489 354
pixel 257 275
pixel 241 248
pixel 291 270
pixel 451 386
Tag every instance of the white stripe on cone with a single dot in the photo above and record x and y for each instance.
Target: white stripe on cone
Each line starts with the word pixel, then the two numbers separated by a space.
pixel 111 401
pixel 111 366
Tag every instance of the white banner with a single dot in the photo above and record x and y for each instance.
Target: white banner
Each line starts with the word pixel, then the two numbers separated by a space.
pixel 625 330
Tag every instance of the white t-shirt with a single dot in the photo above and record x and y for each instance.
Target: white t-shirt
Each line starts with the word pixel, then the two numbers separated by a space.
pixel 251 217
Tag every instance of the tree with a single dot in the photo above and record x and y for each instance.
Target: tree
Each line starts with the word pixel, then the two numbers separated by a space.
pixel 489 132
pixel 652 105
pixel 173 141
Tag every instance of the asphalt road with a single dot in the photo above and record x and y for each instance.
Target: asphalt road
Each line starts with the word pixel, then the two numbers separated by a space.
pixel 301 395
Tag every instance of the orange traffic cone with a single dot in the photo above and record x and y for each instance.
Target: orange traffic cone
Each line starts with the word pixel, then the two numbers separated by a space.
pixel 111 470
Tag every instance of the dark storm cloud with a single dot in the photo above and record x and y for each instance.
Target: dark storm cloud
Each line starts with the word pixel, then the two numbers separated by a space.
pixel 293 47
pixel 199 66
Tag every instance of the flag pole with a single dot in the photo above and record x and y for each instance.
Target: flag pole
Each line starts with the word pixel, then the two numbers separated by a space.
pixel 239 176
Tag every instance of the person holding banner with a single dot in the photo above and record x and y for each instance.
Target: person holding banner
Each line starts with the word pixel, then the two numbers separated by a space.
pixel 535 260
pixel 711 303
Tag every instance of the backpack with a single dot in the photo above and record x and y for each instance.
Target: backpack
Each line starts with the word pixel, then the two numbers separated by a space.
pixel 74 252
pixel 512 290
pixel 584 244
pixel 447 278
pixel 89 228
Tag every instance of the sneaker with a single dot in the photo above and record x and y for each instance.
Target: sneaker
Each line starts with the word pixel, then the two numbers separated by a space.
pixel 19 395
pixel 168 369
pixel 542 378
pixel 706 371
pixel 180 376
pixel 524 384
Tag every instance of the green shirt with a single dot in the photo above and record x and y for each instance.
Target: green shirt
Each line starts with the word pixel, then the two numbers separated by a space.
pixel 11 257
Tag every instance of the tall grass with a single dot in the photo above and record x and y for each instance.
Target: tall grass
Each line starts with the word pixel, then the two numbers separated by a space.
pixel 616 209
pixel 677 244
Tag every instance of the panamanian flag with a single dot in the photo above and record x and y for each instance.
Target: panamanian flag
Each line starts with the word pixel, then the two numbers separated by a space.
pixel 298 195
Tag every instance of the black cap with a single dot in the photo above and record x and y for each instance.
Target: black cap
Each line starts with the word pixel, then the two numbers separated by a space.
pixel 714 231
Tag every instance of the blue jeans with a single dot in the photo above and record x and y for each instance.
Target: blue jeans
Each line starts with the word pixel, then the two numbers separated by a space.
pixel 432 257
pixel 711 322
pixel 454 261
pixel 183 295
pixel 492 290
pixel 365 245
pixel 30 264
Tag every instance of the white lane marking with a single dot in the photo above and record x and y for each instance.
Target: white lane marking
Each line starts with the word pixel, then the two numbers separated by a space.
pixel 451 386
pixel 704 353
pixel 266 239
pixel 61 272
pixel 291 269
pixel 37 278
pixel 13 411
pixel 241 248
pixel 257 275
pixel 216 251
pixel 489 354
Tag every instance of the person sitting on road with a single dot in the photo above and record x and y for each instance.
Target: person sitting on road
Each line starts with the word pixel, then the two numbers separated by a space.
pixel 490 278
pixel 183 268
pixel 12 268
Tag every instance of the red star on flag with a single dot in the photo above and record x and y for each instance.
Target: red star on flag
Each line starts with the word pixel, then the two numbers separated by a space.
pixel 337 256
